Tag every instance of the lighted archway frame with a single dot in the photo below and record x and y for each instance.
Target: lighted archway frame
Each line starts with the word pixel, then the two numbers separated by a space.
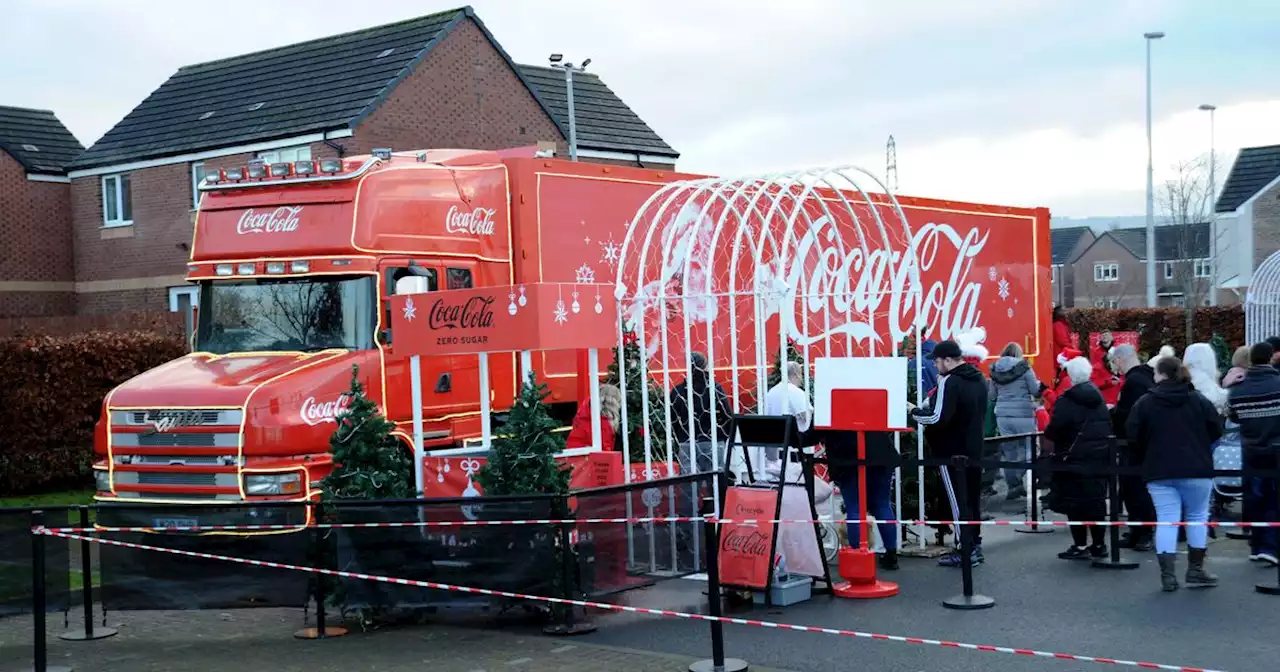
pixel 791 204
pixel 1262 302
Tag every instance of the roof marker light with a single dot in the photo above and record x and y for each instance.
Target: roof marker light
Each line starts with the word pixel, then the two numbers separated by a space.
pixel 235 174
pixel 224 269
pixel 300 267
pixel 304 167
pixel 246 269
pixel 275 267
pixel 257 169
pixel 279 170
pixel 330 165
pixel 383 153
pixel 213 177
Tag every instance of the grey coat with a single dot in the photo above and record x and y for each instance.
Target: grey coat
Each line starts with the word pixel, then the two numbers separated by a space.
pixel 1014 386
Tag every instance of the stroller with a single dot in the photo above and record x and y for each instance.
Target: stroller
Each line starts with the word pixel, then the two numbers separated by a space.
pixel 1226 456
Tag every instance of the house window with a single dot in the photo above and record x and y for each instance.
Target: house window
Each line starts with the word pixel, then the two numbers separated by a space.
pixel 1113 303
pixel 1099 303
pixel 1053 276
pixel 1179 301
pixel 197 176
pixel 1109 272
pixel 117 200
pixel 1168 270
pixel 1203 268
pixel 286 155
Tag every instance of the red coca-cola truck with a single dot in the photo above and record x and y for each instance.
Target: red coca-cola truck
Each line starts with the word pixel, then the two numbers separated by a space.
pixel 296 263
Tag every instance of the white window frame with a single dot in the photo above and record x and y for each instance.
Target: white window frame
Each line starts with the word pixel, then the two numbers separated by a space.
pixel 286 154
pixel 197 176
pixel 192 291
pixel 1202 268
pixel 107 218
pixel 1168 270
pixel 1113 303
pixel 1106 271
pixel 1053 276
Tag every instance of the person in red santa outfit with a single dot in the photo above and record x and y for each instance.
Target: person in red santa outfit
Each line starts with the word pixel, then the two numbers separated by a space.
pixel 1063 383
pixel 1103 378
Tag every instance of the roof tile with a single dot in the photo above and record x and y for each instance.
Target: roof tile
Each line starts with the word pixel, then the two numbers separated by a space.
pixel 1255 168
pixel 37 140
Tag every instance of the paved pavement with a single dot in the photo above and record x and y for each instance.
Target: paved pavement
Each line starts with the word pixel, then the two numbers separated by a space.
pixel 1041 603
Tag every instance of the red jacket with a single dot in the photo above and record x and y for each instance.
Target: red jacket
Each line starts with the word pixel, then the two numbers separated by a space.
pixel 1102 378
pixel 1061 338
pixel 580 433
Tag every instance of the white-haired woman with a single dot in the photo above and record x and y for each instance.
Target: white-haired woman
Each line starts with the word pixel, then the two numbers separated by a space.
pixel 1080 432
pixel 1202 364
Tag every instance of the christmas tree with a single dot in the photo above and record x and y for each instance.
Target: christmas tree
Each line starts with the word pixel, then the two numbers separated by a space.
pixel 523 458
pixel 369 463
pixel 1222 351
pixel 793 355
pixel 630 357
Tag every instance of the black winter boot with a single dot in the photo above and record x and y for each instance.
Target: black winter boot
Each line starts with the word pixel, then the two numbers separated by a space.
pixel 1168 571
pixel 1197 576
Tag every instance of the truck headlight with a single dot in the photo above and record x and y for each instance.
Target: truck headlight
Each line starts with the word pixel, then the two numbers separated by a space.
pixel 102 478
pixel 273 484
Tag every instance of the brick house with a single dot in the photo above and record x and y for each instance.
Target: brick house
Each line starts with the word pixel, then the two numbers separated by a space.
pixel 36 269
pixel 1111 272
pixel 1066 244
pixel 438 81
pixel 1247 219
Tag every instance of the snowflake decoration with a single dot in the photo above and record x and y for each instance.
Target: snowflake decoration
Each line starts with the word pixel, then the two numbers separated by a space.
pixel 410 310
pixel 585 275
pixel 1009 312
pixel 610 252
pixel 1003 289
pixel 560 313
pixel 991 273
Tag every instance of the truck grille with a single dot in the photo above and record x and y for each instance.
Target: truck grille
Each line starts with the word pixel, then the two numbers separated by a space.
pixel 188 417
pixel 185 440
pixel 188 460
pixel 176 478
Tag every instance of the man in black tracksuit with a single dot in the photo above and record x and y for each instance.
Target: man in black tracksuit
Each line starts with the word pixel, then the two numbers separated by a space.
pixel 954 424
pixel 1139 379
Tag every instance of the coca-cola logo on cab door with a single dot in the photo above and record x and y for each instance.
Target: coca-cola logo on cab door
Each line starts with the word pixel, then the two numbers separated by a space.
pixel 475 313
pixel 282 219
pixel 477 222
pixel 317 412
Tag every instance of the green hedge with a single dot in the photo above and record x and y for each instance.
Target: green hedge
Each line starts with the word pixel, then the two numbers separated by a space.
pixel 51 392
pixel 1161 326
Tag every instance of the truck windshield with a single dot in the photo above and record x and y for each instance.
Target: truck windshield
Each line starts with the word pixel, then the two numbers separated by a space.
pixel 299 314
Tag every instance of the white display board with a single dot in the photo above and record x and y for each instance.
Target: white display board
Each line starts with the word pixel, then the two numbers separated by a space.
pixel 860 373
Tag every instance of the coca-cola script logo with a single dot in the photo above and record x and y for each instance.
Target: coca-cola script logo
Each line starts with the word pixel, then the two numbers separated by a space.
pixel 859 281
pixel 478 222
pixel 476 313
pixel 283 218
pixel 314 412
pixel 745 540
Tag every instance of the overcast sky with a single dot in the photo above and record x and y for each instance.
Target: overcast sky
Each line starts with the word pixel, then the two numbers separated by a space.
pixel 1008 101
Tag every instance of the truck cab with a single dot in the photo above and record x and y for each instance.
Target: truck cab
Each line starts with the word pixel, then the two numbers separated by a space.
pixel 295 265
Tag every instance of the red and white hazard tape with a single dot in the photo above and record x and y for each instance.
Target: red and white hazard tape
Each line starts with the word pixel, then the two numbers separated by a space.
pixel 661 519
pixel 635 610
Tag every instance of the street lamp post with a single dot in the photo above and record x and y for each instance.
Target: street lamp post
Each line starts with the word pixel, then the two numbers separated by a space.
pixel 1151 219
pixel 557 61
pixel 1213 214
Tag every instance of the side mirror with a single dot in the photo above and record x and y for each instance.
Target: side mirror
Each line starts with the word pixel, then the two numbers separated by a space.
pixel 384 336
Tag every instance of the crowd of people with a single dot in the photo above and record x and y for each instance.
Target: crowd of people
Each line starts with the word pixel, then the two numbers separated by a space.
pixel 1171 421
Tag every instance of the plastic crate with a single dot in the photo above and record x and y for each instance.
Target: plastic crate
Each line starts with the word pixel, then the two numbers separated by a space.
pixel 785 593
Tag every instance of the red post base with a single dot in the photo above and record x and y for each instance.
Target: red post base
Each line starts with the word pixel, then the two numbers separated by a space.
pixel 858 568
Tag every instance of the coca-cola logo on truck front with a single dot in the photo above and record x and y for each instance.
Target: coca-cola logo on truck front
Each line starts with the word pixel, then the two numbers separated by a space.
pixel 475 313
pixel 282 219
pixel 477 222
pixel 317 412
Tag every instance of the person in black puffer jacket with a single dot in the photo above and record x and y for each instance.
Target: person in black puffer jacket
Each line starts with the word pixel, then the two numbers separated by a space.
pixel 1254 404
pixel 1175 427
pixel 1080 431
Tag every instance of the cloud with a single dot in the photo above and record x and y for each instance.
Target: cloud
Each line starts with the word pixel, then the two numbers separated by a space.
pixel 999 100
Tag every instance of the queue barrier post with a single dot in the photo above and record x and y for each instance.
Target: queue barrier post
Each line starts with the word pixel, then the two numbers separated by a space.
pixel 967 600
pixel 1113 503
pixel 711 540
pixel 1033 525
pixel 89 633
pixel 1272 588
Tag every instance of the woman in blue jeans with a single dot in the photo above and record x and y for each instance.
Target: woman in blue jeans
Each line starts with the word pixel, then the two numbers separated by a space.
pixel 1176 426
pixel 882 458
